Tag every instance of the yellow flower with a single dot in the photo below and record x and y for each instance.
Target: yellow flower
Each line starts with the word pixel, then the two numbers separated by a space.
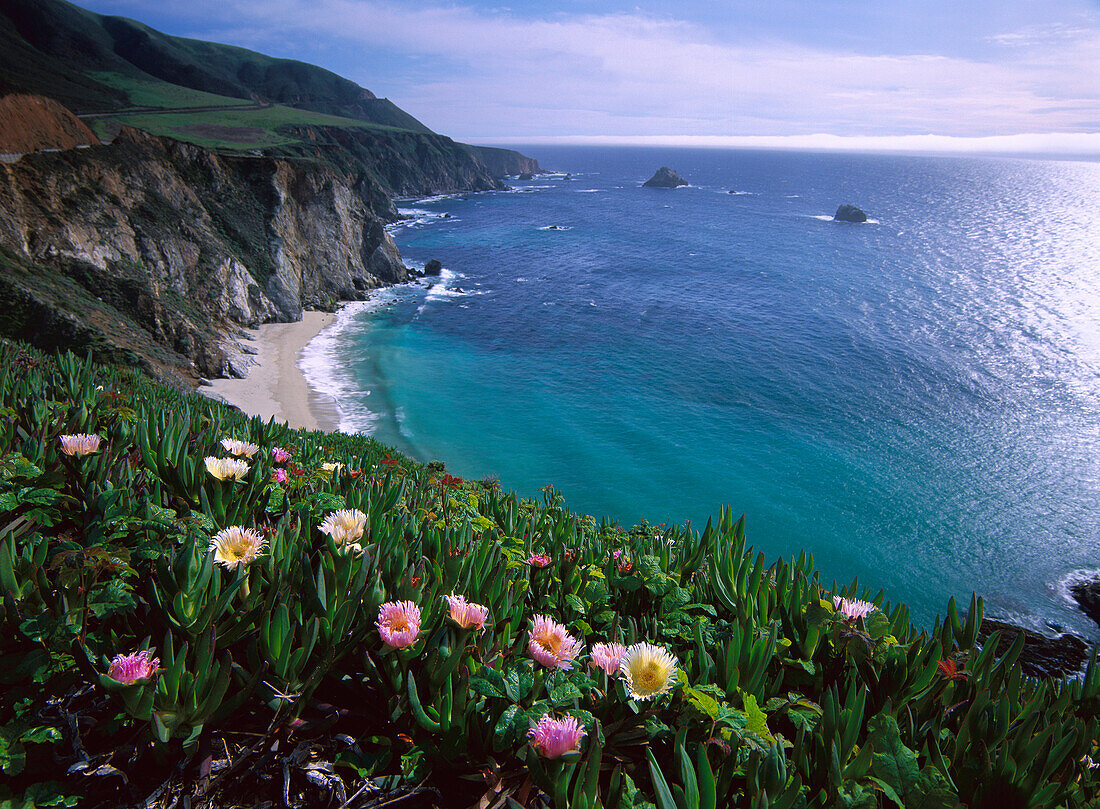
pixel 236 546
pixel 328 468
pixel 649 670
pixel 226 468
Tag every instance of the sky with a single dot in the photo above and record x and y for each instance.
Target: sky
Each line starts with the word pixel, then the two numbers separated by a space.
pixel 702 72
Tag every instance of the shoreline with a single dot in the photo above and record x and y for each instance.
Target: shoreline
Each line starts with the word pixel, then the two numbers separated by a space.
pixel 275 386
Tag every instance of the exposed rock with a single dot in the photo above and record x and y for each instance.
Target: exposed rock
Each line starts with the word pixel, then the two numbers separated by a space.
pixel 665 177
pixel 175 248
pixel 433 267
pixel 1042 656
pixel 30 122
pixel 505 162
pixel 849 213
pixel 526 176
pixel 1087 595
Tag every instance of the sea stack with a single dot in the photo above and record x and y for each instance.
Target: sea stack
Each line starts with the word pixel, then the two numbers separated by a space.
pixel 849 213
pixel 433 267
pixel 665 178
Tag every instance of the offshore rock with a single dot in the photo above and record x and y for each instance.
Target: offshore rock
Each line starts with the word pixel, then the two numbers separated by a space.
pixel 1087 596
pixel 849 213
pixel 665 177
pixel 1042 656
pixel 433 267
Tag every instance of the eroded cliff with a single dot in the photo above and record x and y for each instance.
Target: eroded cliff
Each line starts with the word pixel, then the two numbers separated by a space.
pixel 158 251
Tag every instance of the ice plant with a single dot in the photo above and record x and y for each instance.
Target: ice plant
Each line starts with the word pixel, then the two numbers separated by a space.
pixel 280 455
pixel 551 645
pixel 329 468
pixel 538 560
pixel 134 667
pixel 279 476
pixel 241 449
pixel 80 445
pixel 852 609
pixel 950 670
pixel 237 546
pixel 344 526
pixel 398 623
pixel 226 468
pixel 608 656
pixel 554 738
pixel 649 670
pixel 466 614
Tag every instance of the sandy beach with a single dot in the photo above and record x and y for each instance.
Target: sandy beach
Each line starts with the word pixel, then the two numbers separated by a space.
pixel 275 386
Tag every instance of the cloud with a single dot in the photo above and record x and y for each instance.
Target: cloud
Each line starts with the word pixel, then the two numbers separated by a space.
pixel 1069 144
pixel 640 74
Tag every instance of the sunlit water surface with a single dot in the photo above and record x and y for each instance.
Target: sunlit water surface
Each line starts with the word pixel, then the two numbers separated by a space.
pixel 915 400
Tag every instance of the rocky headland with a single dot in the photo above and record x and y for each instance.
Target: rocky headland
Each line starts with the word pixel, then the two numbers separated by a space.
pixel 157 252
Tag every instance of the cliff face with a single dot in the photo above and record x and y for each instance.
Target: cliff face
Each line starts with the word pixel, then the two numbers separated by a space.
pixel 504 162
pixel 153 241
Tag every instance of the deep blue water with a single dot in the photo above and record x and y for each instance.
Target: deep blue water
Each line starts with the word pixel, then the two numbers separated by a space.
pixel 915 400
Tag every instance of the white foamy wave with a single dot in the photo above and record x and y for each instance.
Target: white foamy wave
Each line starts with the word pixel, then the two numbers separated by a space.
pixel 741 193
pixel 324 371
pixel 403 423
pixel 792 196
pixel 414 218
pixel 829 218
pixel 556 227
pixel 1081 576
pixel 528 189
pixel 588 190
pixel 445 290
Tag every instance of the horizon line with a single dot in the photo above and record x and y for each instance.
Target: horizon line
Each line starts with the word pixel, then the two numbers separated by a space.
pixel 1055 143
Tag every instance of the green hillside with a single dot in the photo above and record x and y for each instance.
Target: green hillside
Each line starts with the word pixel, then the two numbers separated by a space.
pixel 94 63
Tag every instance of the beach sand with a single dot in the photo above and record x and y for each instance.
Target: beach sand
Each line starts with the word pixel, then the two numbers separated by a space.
pixel 275 386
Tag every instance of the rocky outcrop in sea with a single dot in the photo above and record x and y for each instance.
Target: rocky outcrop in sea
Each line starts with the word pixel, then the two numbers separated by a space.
pixel 849 213
pixel 665 177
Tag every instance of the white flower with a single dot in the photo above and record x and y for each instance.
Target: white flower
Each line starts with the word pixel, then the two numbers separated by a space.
pixel 649 670
pixel 241 449
pixel 226 468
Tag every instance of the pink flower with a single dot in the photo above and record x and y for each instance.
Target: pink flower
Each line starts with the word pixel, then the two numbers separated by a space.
pixel 851 608
pixel 132 668
pixel 280 455
pixel 554 738
pixel 551 644
pixel 80 444
pixel 398 623
pixel 279 476
pixel 538 560
pixel 466 614
pixel 608 656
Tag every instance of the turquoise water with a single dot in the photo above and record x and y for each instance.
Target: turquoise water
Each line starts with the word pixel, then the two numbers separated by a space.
pixel 916 400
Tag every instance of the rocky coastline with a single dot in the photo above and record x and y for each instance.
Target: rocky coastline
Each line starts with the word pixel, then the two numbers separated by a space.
pixel 155 252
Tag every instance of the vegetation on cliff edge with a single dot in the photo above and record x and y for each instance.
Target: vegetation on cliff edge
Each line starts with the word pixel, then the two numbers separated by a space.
pixel 202 607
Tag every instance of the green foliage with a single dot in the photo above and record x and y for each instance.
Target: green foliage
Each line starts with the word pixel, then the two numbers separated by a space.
pixel 778 700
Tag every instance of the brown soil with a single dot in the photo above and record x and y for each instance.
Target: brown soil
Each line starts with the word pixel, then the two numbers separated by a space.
pixel 28 123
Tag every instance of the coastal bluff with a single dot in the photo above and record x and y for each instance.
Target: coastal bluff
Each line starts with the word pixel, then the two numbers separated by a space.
pixel 157 252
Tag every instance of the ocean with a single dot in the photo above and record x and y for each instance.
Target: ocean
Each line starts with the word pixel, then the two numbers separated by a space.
pixel 915 400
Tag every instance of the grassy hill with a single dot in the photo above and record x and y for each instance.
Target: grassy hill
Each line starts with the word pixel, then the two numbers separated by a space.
pixel 94 63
